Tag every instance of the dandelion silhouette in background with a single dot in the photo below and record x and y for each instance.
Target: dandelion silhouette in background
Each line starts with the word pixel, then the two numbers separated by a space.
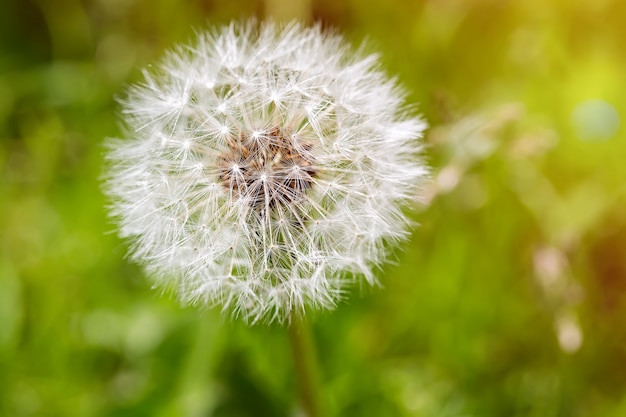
pixel 266 169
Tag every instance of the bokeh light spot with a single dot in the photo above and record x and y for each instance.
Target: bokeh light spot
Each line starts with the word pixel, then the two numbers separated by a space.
pixel 569 334
pixel 595 120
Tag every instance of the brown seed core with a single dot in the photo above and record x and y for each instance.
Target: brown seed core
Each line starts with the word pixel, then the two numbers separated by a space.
pixel 269 169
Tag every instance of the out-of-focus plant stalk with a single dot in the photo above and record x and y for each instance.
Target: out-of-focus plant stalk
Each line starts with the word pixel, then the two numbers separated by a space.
pixel 305 361
pixel 287 10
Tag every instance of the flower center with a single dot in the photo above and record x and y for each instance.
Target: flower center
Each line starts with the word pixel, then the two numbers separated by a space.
pixel 267 168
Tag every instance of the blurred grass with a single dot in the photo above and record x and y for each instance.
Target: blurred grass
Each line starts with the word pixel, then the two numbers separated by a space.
pixel 508 301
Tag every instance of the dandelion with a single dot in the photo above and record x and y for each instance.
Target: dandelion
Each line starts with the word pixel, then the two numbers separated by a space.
pixel 266 169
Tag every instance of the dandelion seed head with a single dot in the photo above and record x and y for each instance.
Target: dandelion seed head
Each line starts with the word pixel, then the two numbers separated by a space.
pixel 266 169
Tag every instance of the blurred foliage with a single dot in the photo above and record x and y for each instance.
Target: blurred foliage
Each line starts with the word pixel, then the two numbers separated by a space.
pixel 508 301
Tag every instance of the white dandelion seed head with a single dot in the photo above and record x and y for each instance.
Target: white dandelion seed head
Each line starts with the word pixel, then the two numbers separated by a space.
pixel 266 169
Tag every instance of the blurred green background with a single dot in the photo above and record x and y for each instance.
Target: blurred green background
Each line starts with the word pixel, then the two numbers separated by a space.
pixel 509 300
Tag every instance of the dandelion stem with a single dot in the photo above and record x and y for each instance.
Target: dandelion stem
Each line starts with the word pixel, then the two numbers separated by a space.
pixel 305 365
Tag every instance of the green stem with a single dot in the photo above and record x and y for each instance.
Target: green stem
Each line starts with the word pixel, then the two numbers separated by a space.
pixel 306 365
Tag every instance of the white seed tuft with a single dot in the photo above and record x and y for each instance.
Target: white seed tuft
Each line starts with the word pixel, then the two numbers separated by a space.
pixel 266 168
